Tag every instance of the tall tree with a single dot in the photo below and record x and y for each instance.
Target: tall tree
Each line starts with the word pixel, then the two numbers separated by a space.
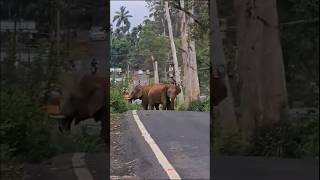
pixel 173 49
pixel 226 107
pixel 122 18
pixel 190 69
pixel 263 95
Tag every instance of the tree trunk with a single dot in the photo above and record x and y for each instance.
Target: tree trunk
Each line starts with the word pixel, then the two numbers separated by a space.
pixel 194 92
pixel 185 52
pixel 226 107
pixel 164 26
pixel 174 51
pixel 156 72
pixel 263 93
pixel 190 77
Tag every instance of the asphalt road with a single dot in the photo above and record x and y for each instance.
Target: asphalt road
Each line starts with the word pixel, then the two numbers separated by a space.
pixel 183 137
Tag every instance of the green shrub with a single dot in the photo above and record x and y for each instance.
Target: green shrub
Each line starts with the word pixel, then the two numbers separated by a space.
pixel 202 106
pixel 24 127
pixel 10 168
pixel 288 138
pixel 117 103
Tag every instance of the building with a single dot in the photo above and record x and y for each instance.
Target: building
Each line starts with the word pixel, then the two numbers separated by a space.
pixel 116 74
pixel 140 78
pixel 25 30
pixel 21 26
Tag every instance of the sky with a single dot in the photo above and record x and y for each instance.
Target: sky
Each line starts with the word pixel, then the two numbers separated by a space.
pixel 137 9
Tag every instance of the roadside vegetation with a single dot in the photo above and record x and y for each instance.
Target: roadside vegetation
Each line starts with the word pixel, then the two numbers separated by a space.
pixel 298 138
pixel 117 102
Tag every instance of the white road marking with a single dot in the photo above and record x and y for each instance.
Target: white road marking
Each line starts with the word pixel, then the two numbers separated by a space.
pixel 168 168
pixel 79 167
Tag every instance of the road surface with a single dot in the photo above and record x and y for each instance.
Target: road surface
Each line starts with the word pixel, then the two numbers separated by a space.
pixel 183 138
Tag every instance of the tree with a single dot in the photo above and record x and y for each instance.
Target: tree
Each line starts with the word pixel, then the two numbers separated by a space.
pixel 154 47
pixel 173 49
pixel 226 107
pixel 190 78
pixel 158 13
pixel 122 18
pixel 263 95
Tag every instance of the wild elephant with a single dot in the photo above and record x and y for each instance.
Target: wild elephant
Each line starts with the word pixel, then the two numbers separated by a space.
pixel 141 92
pixel 86 100
pixel 164 94
pixel 219 88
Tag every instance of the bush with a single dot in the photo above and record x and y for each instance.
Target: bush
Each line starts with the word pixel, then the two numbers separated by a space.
pixel 24 127
pixel 11 168
pixel 200 105
pixel 25 133
pixel 117 103
pixel 288 138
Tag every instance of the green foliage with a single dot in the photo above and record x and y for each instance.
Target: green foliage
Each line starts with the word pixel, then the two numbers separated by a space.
pixel 10 167
pixel 117 103
pixel 120 49
pixel 201 106
pixel 301 59
pixel 24 125
pixel 122 18
pixel 229 143
pixel 294 138
pixel 289 138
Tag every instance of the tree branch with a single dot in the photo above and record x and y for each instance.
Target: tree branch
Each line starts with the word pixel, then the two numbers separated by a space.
pixel 178 6
pixel 304 21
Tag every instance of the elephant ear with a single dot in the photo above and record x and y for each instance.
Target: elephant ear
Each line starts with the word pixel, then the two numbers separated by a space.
pixel 96 101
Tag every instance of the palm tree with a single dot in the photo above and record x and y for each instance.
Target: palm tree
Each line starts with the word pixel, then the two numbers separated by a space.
pixel 122 18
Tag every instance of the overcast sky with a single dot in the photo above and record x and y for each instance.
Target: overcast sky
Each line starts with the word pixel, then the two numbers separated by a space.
pixel 137 9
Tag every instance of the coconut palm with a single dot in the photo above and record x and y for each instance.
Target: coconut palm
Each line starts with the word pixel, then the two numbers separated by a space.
pixel 122 18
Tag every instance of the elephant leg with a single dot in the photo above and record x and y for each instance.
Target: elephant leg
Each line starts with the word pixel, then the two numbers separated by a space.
pixel 164 102
pixel 157 106
pixel 151 106
pixel 168 104
pixel 101 116
pixel 145 103
pixel 172 104
pixel 145 106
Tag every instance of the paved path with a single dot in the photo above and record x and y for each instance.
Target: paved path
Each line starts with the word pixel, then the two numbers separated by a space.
pixel 157 140
pixel 182 137
pixel 251 168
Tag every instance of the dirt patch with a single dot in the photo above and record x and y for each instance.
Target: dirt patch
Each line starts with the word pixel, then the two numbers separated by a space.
pixel 120 166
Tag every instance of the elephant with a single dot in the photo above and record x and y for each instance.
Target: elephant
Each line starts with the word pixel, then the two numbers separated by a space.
pixel 164 94
pixel 141 92
pixel 86 100
pixel 219 88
